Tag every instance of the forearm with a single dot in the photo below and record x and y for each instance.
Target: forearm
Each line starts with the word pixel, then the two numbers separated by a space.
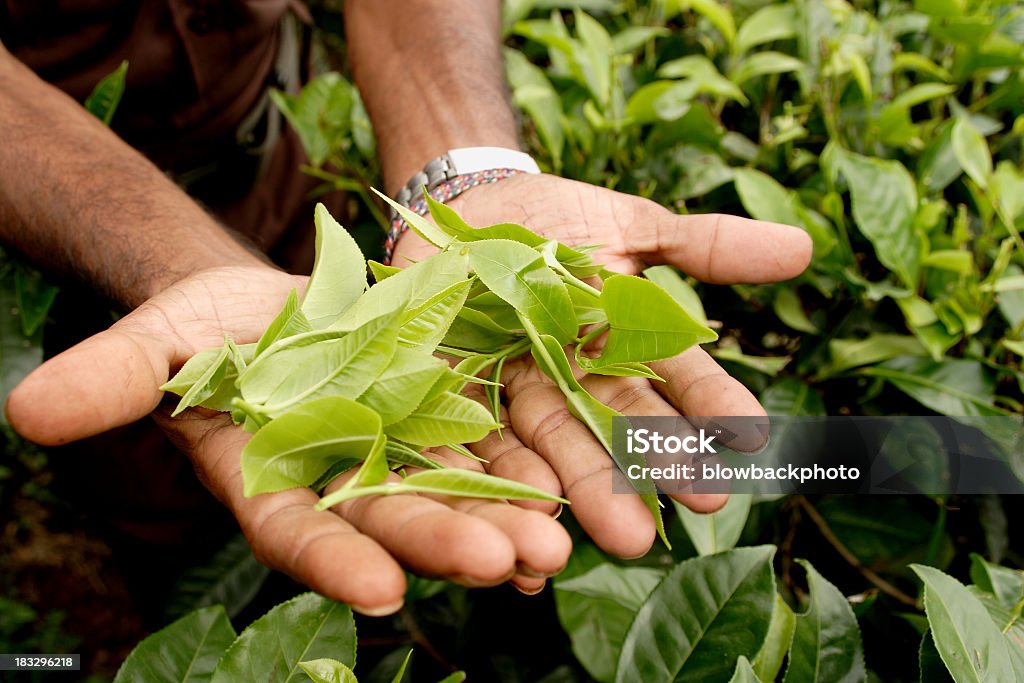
pixel 431 75
pixel 77 200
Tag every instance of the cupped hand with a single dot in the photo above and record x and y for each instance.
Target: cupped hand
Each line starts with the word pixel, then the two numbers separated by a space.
pixel 548 447
pixel 354 553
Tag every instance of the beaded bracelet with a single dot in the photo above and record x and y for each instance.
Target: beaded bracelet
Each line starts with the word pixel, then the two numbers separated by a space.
pixel 447 190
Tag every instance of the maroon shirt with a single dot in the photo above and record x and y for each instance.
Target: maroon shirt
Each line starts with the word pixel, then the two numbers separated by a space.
pixel 197 68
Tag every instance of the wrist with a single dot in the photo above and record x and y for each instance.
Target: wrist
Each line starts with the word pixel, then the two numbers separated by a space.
pixel 444 189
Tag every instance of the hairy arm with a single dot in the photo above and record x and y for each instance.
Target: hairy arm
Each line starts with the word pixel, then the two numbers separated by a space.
pixel 431 74
pixel 78 200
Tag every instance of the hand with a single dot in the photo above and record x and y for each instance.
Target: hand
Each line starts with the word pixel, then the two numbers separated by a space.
pixel 351 554
pixel 546 446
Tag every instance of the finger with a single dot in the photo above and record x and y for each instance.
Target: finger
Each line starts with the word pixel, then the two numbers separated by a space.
pixel 636 396
pixel 108 380
pixel 507 457
pixel 431 538
pixel 527 585
pixel 717 248
pixel 619 524
pixel 114 378
pixel 542 544
pixel 318 549
pixel 700 388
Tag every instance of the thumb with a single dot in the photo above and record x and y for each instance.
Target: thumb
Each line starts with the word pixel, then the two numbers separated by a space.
pixel 110 379
pixel 718 248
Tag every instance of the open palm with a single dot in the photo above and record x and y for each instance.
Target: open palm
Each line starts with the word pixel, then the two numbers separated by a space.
pixel 549 448
pixel 354 553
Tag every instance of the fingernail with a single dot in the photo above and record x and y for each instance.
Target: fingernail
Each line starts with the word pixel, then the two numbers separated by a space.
pixel 474 582
pixel 558 512
pixel 378 611
pixel 524 570
pixel 634 557
pixel 530 592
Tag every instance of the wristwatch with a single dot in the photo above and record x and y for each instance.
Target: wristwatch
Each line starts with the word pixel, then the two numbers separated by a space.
pixel 463 161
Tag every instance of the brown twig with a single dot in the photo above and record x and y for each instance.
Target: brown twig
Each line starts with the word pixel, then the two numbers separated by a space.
pixel 869 574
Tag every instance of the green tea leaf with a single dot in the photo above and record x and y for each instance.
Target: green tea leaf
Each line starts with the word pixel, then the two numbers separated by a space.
pixel 969 643
pixel 425 326
pixel 744 672
pixel 790 310
pixel 448 418
pixel 328 671
pixel 290 321
pixel 826 644
pixel 1007 585
pixel 971 151
pixel 519 275
pixel 763 64
pixel 305 628
pixel 400 454
pixel 206 384
pixel 381 272
pixel 551 359
pixel 951 387
pixel 475 331
pixel 400 389
pixel 702 76
pixel 884 202
pixel 35 297
pixel 321 114
pixel 703 608
pixel 669 279
pixel 577 262
pixel 106 96
pixel 718 531
pixel 646 324
pixel 339 272
pixel 450 481
pixel 187 651
pixel 616 369
pixel 420 225
pixel 346 367
pixel 400 674
pixel 446 217
pixel 769 660
pixel 231 579
pixel 766 25
pixel 790 396
pixel 850 353
pixel 719 16
pixel 300 445
pixel 596 608
pixel 533 93
pixel 409 289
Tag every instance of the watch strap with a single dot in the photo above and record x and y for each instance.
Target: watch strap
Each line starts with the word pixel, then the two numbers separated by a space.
pixel 463 161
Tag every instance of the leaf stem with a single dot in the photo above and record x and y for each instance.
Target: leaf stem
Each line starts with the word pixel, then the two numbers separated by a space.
pixel 251 411
pixel 593 334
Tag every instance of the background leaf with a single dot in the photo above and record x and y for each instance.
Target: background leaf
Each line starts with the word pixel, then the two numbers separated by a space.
pixel 231 579
pixel 597 607
pixel 703 607
pixel 718 531
pixel 305 628
pixel 826 642
pixel 187 651
pixel 969 644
